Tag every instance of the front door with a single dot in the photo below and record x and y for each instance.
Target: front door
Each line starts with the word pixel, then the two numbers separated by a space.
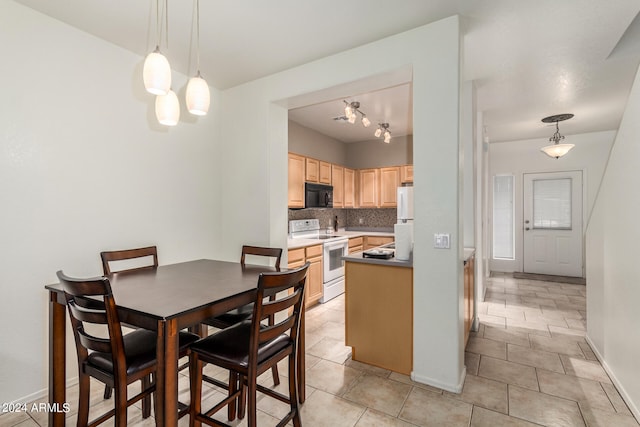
pixel 553 223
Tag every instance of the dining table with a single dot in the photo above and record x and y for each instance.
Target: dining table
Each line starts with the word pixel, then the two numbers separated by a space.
pixel 165 299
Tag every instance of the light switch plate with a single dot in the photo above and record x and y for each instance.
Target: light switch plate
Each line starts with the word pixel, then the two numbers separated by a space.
pixel 442 241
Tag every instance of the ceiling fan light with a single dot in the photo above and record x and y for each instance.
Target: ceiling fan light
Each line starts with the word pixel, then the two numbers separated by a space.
pixel 387 136
pixel 168 109
pixel 378 132
pixel 198 96
pixel 557 150
pixel 365 122
pixel 352 118
pixel 156 73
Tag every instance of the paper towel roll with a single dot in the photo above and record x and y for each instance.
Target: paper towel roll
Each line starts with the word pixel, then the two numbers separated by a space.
pixel 404 237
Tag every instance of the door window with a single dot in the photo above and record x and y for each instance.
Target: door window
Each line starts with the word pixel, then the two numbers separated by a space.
pixel 552 204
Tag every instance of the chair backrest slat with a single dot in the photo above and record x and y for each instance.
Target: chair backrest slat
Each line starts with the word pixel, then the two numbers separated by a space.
pixel 262 251
pixel 129 254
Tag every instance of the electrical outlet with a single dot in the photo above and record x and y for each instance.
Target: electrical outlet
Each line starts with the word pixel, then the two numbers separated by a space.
pixel 360 221
pixel 441 241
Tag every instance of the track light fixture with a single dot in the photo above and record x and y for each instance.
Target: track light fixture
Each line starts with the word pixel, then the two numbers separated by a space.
pixel 351 110
pixel 557 150
pixel 383 130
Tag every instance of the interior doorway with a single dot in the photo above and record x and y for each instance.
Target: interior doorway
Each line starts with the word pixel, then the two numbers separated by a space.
pixel 552 215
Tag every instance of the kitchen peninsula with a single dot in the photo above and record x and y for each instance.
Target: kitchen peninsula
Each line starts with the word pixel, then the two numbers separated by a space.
pixel 379 311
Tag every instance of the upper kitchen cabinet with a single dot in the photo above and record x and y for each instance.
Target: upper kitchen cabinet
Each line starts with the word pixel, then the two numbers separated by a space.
pixel 406 174
pixel 312 173
pixel 296 181
pixel 368 187
pixel 337 181
pixel 325 173
pixel 318 171
pixel 349 188
pixel 389 183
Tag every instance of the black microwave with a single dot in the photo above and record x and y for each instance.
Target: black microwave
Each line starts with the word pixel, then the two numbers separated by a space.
pixel 318 195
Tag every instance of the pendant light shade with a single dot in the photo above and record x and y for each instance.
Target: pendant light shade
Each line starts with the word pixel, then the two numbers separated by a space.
pixel 557 150
pixel 168 109
pixel 156 73
pixel 198 96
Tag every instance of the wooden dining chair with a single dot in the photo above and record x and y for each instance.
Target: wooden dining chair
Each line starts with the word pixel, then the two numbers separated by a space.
pixel 249 348
pixel 139 259
pixel 109 257
pixel 115 359
pixel 238 315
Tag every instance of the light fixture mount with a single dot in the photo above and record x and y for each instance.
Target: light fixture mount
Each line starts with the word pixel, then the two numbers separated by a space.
pixel 557 150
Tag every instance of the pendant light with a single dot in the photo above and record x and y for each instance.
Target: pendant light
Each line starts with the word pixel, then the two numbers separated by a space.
pixel 198 96
pixel 557 150
pixel 156 72
pixel 168 109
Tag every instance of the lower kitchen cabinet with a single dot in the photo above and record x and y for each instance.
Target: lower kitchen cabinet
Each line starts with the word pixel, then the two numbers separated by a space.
pixel 296 258
pixel 356 244
pixel 375 241
pixel 379 315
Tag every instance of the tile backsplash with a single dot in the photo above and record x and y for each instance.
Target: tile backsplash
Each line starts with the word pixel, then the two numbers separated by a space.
pixel 349 218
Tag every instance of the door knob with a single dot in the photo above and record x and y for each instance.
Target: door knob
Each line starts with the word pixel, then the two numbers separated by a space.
pixel 527 228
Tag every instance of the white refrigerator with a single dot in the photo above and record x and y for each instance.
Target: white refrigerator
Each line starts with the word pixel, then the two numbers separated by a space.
pixel 403 230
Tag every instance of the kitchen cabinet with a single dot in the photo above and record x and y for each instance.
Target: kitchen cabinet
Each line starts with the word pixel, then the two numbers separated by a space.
pixel 349 188
pixel 379 315
pixel 324 176
pixel 296 258
pixel 368 188
pixel 389 183
pixel 337 181
pixel 296 181
pixel 375 241
pixel 356 244
pixel 406 174
pixel 312 170
pixel 469 296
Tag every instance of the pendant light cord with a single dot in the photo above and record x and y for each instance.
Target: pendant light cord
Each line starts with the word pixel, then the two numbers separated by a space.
pixel 166 22
pixel 198 35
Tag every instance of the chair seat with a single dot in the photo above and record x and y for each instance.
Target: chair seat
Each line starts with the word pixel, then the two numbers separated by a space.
pixel 231 346
pixel 140 351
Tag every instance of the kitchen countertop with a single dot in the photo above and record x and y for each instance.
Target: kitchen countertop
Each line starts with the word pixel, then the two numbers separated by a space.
pixel 392 262
pixel 301 243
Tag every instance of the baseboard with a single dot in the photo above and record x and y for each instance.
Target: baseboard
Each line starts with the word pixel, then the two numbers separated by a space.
pixel 42 393
pixel 435 383
pixel 623 393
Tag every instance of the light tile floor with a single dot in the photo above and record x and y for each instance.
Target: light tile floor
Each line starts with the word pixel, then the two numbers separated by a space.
pixel 528 364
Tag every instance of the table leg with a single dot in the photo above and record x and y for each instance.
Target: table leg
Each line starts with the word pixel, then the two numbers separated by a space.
pixel 167 374
pixel 301 358
pixel 57 363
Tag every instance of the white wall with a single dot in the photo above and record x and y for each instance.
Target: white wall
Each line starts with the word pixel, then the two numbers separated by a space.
pixel 613 288
pixel 84 168
pixel 518 157
pixel 432 52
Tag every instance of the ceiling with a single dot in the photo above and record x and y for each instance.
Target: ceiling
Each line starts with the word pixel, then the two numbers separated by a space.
pixel 528 59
